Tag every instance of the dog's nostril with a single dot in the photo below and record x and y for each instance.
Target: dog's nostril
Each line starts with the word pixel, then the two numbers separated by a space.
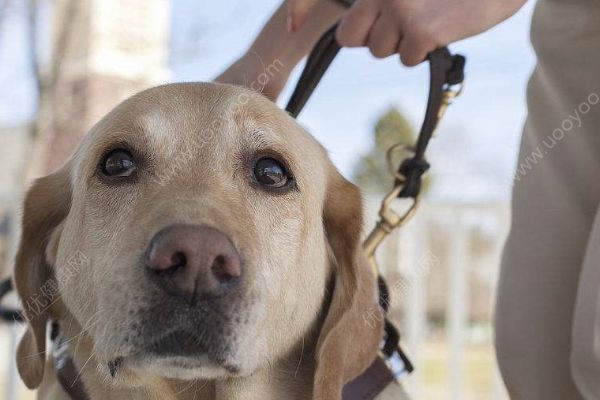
pixel 168 265
pixel 220 270
pixel 178 260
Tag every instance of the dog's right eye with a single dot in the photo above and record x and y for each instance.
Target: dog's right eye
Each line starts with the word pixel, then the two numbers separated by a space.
pixel 271 173
pixel 118 163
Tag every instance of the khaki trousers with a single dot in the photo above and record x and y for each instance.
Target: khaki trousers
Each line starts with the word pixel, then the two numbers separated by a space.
pixel 548 307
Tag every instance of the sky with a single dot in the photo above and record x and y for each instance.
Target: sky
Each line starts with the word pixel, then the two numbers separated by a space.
pixel 473 155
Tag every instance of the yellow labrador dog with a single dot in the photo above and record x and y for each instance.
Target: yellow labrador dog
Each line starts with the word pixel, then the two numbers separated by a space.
pixel 199 244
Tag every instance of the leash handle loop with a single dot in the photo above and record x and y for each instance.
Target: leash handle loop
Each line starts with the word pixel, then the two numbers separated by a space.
pixel 445 72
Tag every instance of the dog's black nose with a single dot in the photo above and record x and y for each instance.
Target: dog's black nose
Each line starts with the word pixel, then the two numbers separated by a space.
pixel 193 261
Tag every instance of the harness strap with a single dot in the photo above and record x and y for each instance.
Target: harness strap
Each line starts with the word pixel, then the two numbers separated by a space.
pixel 372 382
pixel 67 373
pixel 8 314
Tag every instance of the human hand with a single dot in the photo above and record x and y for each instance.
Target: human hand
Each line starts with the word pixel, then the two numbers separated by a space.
pixel 412 28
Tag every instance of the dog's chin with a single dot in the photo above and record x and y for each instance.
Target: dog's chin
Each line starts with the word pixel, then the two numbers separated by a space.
pixel 181 355
pixel 181 367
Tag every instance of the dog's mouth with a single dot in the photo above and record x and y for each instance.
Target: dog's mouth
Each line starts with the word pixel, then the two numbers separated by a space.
pixel 179 354
pixel 177 343
pixel 171 338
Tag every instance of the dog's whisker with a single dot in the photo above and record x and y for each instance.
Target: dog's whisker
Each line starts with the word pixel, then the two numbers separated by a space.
pixel 81 334
pixel 81 369
pixel 300 358
pixel 33 355
pixel 191 385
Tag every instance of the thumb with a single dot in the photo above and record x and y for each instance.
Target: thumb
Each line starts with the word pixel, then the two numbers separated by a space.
pixel 298 13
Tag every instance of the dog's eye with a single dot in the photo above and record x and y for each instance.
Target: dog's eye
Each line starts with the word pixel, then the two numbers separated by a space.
pixel 118 163
pixel 270 172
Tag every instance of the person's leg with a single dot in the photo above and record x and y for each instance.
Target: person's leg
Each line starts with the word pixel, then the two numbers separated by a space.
pixel 585 356
pixel 555 198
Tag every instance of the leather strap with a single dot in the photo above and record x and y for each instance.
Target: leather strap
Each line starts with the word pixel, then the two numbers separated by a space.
pixel 368 385
pixel 69 380
pixel 317 63
pixel 444 70
pixel 8 314
pixel 67 373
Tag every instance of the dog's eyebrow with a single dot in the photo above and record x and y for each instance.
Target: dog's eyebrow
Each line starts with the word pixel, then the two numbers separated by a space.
pixel 147 132
pixel 257 140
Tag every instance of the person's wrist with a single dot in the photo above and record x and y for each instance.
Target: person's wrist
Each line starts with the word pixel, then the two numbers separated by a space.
pixel 285 52
pixel 257 72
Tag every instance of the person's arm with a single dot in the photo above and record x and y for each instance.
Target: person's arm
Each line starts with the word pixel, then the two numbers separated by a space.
pixel 412 28
pixel 279 47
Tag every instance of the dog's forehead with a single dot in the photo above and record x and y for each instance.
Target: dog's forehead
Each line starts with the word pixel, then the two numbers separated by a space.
pixel 170 117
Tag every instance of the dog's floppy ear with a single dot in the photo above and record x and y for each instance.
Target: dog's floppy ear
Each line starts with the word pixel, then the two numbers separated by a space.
pixel 353 327
pixel 46 204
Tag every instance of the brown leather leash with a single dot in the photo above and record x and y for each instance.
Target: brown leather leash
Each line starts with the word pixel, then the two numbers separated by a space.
pixel 446 72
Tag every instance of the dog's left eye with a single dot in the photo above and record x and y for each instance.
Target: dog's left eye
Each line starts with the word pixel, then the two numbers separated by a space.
pixel 118 163
pixel 271 173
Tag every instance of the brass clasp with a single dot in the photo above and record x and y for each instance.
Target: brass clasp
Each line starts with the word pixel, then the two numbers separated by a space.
pixel 389 220
pixel 449 94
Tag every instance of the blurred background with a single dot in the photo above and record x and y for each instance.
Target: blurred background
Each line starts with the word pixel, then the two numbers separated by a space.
pixel 65 63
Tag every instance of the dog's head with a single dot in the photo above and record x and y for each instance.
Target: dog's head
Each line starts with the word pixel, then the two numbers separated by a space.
pixel 195 233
